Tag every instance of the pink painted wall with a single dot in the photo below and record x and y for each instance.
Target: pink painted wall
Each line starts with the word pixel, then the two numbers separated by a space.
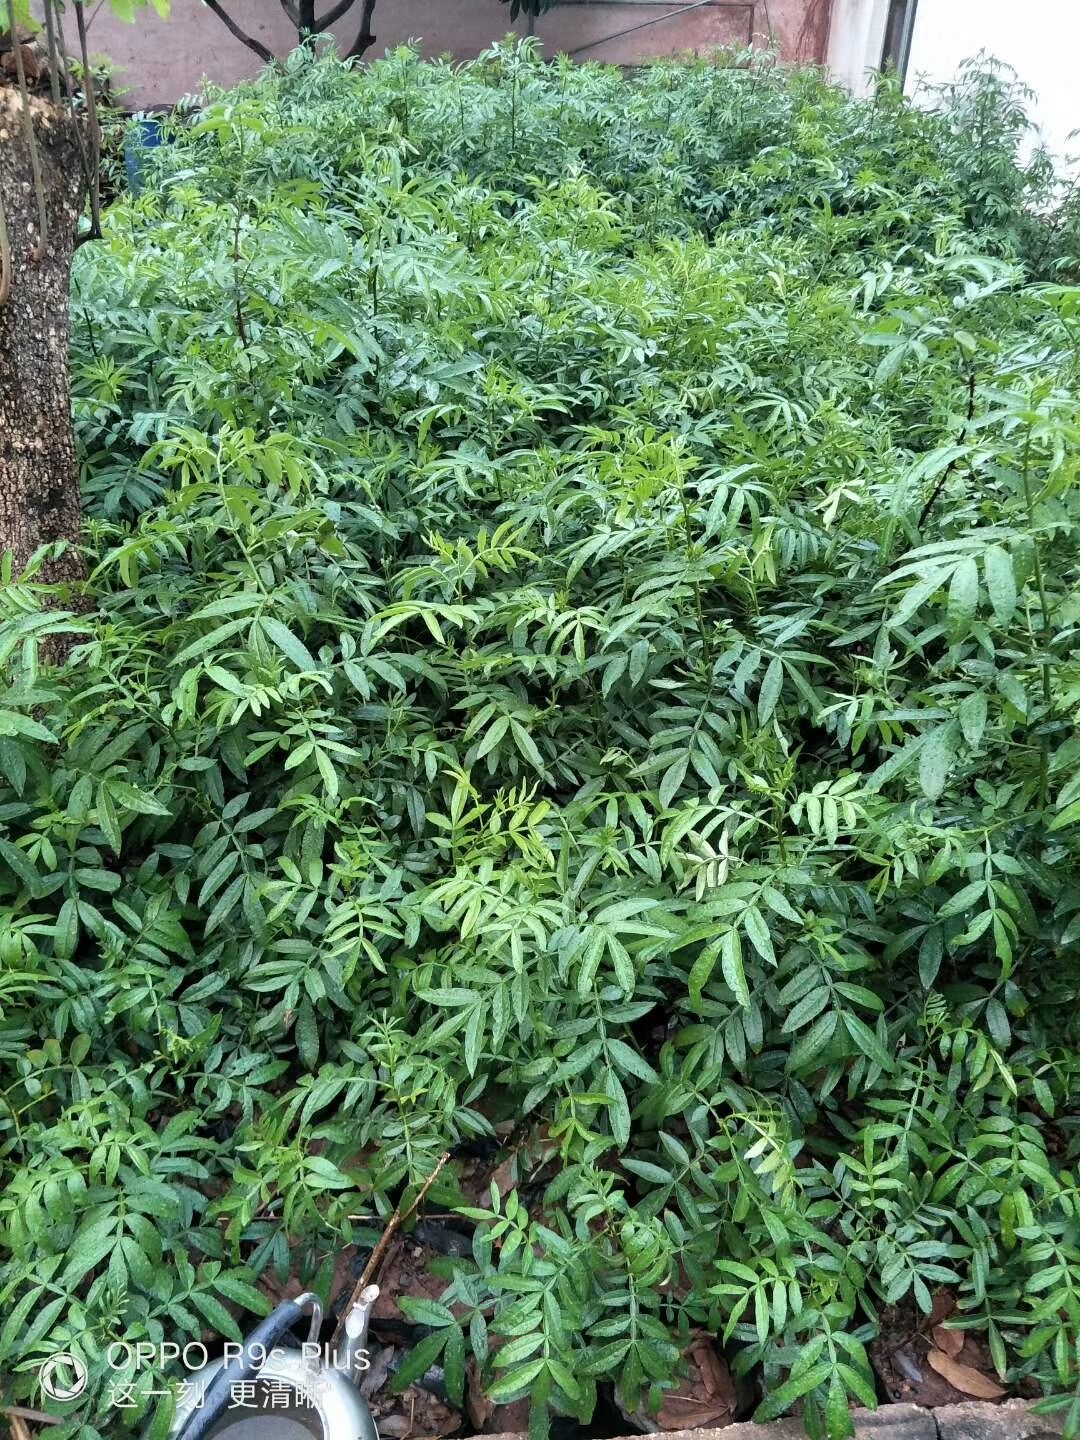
pixel 157 61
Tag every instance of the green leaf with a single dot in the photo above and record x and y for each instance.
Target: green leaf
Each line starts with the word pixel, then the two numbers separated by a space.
pixel 931 950
pixel 630 1062
pixel 161 1425
pixel 493 735
pixel 647 1171
pixel 619 1109
pixel 137 801
pixel 515 1384
pixel 215 1314
pixel 997 1021
pixel 67 929
pixel 1012 687
pixel 212 641
pixel 12 723
pixel 785 1395
pixel 623 910
pixel 566 1381
pixel 868 1042
pixel 419 1360
pixel 972 716
pixel 963 593
pixel 1069 816
pixel 672 781
pixel 526 745
pixel 426 1312
pixel 1000 583
pixel 292 648
pixel 94 1240
pixel 731 960
pixel 21 866
pixel 474 1037
pixel 639 660
pixel 810 1005
pixel 757 932
pixel 838 1422
pixel 139 1267
pixel 771 685
pixel 242 1292
pixel 936 760
pixel 809 1046
pixel 700 973
pixel 958 904
pixel 779 904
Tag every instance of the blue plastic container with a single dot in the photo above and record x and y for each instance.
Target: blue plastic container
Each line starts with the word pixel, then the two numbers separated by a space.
pixel 145 132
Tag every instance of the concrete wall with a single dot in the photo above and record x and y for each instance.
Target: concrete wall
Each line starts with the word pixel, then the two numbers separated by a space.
pixel 856 36
pixel 1040 39
pixel 159 60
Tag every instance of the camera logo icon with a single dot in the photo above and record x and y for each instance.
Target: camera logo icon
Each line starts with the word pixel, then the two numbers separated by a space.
pixel 63 1376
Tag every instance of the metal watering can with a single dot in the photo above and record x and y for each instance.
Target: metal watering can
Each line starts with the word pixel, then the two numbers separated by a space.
pixel 268 1392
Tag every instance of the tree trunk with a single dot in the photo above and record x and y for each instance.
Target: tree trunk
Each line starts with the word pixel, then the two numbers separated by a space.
pixel 365 39
pixel 39 485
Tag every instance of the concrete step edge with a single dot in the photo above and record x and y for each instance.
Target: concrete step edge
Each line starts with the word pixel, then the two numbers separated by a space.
pixel 968 1420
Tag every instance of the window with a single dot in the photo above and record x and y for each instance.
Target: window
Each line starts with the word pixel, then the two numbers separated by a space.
pixel 898 26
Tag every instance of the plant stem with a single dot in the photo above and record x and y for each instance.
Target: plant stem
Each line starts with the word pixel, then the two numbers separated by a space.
pixel 1044 605
pixel 940 486
pixel 379 1253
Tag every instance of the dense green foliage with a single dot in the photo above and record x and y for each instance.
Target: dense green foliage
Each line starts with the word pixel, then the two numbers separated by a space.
pixel 581 631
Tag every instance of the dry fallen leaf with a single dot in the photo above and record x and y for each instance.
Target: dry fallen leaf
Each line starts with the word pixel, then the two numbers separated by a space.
pixel 944 1306
pixel 706 1397
pixel 964 1378
pixel 950 1341
pixel 414 1414
pixel 406 1270
pixel 478 1406
pixel 504 1177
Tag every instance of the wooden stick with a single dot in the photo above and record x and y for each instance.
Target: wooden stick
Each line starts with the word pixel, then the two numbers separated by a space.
pixel 379 1253
pixel 20 1414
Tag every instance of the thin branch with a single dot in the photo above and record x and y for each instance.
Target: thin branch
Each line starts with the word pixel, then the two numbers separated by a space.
pixel 291 12
pixel 54 58
pixel 333 16
pixel 5 258
pixel 80 139
pixel 940 486
pixel 241 323
pixel 365 39
pixel 58 20
pixel 94 161
pixel 379 1253
pixel 35 159
pixel 230 24
pixel 87 320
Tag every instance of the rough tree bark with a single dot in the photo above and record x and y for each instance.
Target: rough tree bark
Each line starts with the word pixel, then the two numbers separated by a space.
pixel 39 492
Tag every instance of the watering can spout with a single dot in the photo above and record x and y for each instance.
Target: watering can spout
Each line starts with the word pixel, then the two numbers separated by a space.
pixel 322 1399
pixel 355 1332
